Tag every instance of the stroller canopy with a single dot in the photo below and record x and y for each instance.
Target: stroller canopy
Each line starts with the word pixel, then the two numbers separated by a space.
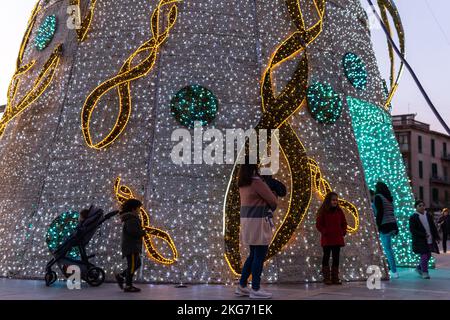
pixel 87 228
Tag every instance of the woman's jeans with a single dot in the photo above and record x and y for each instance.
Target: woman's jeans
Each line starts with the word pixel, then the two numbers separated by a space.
pixel 386 241
pixel 254 266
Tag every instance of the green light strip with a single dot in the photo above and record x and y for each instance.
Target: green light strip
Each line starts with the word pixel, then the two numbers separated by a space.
pixel 382 161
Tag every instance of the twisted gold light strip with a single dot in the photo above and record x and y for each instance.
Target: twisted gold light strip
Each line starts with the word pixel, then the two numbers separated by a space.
pixel 124 193
pixel 277 110
pixel 126 75
pixel 83 31
pixel 323 187
pixel 388 6
pixel 41 83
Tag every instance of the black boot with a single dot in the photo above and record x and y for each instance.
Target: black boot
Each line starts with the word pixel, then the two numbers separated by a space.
pixel 335 275
pixel 131 289
pixel 326 275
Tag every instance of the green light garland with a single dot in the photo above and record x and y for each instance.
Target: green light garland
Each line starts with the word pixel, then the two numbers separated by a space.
pixel 60 230
pixel 355 71
pixel 194 103
pixel 382 161
pixel 324 103
pixel 45 33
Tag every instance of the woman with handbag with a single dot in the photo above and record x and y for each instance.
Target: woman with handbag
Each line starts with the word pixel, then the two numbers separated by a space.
pixel 257 204
pixel 424 237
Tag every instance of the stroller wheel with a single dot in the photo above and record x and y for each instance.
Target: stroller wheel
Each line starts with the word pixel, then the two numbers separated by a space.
pixel 50 278
pixel 95 276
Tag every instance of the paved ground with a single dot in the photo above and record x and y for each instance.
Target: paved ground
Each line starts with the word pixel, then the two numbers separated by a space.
pixel 408 286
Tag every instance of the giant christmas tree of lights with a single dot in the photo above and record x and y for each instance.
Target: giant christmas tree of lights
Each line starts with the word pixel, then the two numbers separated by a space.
pixel 101 100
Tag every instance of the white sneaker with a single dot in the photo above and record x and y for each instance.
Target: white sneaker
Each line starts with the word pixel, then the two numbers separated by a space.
pixel 260 294
pixel 394 275
pixel 241 291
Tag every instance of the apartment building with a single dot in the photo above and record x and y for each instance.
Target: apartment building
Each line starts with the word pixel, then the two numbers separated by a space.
pixel 426 154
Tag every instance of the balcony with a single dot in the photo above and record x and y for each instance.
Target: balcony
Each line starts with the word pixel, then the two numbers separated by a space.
pixel 408 121
pixel 440 180
pixel 445 156
pixel 404 147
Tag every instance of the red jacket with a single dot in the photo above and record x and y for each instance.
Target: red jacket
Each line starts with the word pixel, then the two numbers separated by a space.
pixel 333 227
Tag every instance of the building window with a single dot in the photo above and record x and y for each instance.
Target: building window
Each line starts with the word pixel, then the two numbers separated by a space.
pixel 434 170
pixel 420 169
pixel 403 141
pixel 445 149
pixel 421 193
pixel 433 148
pixel 404 120
pixel 435 195
pixel 419 141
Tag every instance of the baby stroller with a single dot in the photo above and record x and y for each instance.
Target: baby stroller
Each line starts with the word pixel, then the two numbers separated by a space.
pixel 84 232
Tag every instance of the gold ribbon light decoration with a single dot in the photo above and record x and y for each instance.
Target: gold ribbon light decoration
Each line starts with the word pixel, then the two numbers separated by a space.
pixel 40 85
pixel 123 193
pixel 388 6
pixel 303 171
pixel 121 82
pixel 323 188
pixel 83 29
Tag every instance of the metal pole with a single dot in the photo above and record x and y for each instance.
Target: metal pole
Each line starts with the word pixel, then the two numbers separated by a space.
pixel 408 66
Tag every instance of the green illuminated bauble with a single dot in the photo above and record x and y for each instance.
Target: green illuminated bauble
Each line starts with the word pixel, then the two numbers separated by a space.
pixel 194 103
pixel 60 230
pixel 45 33
pixel 324 103
pixel 355 71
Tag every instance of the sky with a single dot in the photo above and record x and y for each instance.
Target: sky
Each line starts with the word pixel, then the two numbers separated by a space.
pixel 427 30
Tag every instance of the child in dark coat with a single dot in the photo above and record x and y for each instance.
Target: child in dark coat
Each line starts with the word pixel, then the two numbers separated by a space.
pixel 132 234
pixel 424 237
pixel 332 226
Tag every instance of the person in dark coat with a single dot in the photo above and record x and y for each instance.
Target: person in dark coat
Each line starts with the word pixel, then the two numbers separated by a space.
pixel 424 237
pixel 444 223
pixel 332 226
pixel 132 234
